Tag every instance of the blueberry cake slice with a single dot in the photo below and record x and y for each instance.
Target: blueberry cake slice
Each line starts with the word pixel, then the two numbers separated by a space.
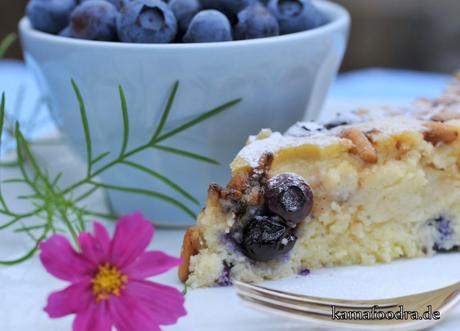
pixel 380 185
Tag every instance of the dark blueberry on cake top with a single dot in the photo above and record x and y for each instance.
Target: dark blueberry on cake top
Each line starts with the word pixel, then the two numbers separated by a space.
pixel 266 238
pixel 289 196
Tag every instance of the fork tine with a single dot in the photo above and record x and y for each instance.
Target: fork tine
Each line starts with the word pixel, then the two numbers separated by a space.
pixel 278 307
pixel 273 301
pixel 308 301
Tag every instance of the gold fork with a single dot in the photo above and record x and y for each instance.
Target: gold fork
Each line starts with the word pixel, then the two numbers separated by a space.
pixel 412 312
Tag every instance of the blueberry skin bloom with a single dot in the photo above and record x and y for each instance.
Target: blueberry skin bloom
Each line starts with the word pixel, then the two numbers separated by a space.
pixel 208 26
pixel 117 3
pixel 228 7
pixel 295 15
pixel 50 15
pixel 147 21
pixel 256 22
pixel 289 196
pixel 184 10
pixel 94 20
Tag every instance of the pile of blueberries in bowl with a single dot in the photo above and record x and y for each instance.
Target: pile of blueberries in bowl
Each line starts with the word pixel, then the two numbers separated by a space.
pixel 172 21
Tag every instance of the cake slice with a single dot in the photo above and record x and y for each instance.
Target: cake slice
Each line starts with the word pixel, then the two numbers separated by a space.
pixel 369 188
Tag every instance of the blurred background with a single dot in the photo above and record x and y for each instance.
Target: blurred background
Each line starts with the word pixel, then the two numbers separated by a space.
pixel 409 34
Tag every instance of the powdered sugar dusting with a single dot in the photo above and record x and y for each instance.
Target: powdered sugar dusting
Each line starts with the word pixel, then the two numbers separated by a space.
pixel 383 121
pixel 252 152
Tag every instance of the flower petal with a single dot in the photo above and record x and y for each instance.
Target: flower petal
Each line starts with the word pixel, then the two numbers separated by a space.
pixel 132 236
pixel 165 303
pixel 128 314
pixel 62 261
pixel 72 300
pixel 95 318
pixel 101 234
pixel 95 248
pixel 151 264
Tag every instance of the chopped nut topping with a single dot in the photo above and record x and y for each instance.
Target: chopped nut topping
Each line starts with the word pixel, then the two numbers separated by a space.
pixel 446 115
pixel 440 133
pixel 363 148
pixel 191 246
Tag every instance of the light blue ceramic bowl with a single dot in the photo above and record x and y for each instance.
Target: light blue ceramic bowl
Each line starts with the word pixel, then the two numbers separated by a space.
pixel 281 80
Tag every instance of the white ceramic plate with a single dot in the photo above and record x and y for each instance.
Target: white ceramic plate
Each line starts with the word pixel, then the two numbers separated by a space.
pixel 220 309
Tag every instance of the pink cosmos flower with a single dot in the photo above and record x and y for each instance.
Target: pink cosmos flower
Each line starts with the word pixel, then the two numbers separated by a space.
pixel 108 286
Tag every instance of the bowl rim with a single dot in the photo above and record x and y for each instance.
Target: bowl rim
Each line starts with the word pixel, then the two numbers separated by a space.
pixel 340 19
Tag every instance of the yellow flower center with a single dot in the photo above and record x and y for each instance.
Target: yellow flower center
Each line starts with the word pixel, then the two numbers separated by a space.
pixel 108 281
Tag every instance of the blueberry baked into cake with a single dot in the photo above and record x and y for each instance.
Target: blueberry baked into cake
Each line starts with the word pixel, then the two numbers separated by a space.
pixel 376 186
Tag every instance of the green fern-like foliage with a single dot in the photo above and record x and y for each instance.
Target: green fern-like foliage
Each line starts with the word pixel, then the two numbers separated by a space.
pixel 56 208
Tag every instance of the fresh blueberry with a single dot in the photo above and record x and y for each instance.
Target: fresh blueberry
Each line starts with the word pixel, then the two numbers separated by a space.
pixel 94 20
pixel 50 15
pixel 147 21
pixel 120 3
pixel 228 7
pixel 295 15
pixel 184 10
pixel 117 3
pixel 66 32
pixel 266 238
pixel 208 26
pixel 254 22
pixel 289 196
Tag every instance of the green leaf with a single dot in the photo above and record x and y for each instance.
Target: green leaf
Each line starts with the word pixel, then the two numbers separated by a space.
pixel 68 223
pixel 2 119
pixel 29 254
pixel 86 194
pixel 110 217
pixel 29 228
pixel 84 119
pixel 2 116
pixel 24 258
pixel 56 180
pixel 29 197
pixel 9 164
pixel 124 109
pixel 6 43
pixel 187 154
pixel 17 218
pixel 164 179
pixel 165 115
pixel 26 148
pixel 14 181
pixel 28 232
pixel 149 193
pixel 20 156
pixel 100 157
pixel 197 120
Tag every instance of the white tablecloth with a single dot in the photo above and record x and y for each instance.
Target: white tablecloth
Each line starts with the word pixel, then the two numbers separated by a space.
pixel 24 288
